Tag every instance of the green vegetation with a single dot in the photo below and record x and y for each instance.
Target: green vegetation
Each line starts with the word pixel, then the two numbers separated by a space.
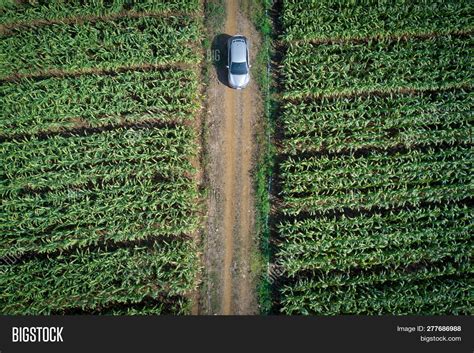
pixel 434 231
pixel 260 72
pixel 100 198
pixel 100 202
pixel 64 200
pixel 376 158
pixel 87 279
pixel 56 103
pixel 423 295
pixel 419 118
pixel 379 179
pixel 349 68
pixel 101 45
pixel 344 19
pixel 60 10
pixel 215 16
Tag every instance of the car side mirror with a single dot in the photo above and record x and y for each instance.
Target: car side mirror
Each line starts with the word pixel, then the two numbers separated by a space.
pixel 250 65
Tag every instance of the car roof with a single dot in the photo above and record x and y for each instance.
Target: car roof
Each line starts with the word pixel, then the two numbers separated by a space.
pixel 238 49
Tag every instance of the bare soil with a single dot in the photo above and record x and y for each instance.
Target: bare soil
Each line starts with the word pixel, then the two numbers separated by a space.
pixel 229 284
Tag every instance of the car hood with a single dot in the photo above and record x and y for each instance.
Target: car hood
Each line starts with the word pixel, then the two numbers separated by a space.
pixel 238 80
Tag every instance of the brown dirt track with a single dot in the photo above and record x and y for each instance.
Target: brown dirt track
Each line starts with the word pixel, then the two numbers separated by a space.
pixel 229 284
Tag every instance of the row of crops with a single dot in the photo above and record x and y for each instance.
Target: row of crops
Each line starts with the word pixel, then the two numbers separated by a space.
pixel 100 199
pixel 375 160
pixel 330 20
pixel 133 97
pixel 124 41
pixel 31 12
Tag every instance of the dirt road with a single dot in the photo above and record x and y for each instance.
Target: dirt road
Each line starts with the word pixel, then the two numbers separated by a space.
pixel 229 245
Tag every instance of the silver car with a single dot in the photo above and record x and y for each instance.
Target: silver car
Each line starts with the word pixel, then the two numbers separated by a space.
pixel 238 56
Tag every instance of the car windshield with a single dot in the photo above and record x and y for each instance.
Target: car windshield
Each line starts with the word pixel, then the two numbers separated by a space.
pixel 238 68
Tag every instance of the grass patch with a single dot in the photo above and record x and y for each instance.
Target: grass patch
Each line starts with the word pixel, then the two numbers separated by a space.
pixel 258 11
pixel 214 10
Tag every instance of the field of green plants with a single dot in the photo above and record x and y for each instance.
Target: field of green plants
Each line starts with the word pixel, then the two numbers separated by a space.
pixel 99 148
pixel 375 160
